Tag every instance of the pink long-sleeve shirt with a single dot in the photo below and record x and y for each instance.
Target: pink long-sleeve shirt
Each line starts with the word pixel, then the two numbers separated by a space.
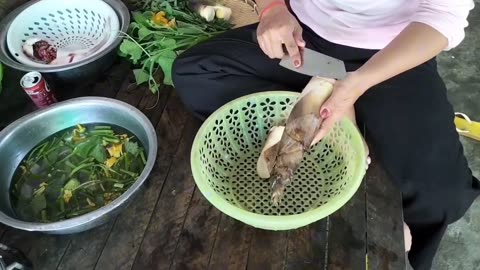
pixel 372 24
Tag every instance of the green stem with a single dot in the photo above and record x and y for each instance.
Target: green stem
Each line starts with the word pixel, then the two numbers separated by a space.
pixel 103 127
pixel 80 167
pixel 66 158
pixel 126 161
pixel 94 182
pixel 101 132
pixel 134 41
pixel 40 152
pixel 35 150
pixel 128 172
pixel 143 158
pixel 111 140
pixel 44 215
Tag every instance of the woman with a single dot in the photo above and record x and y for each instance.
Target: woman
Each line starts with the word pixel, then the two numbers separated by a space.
pixel 389 49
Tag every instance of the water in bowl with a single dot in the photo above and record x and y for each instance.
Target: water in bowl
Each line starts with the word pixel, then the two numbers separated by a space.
pixel 76 171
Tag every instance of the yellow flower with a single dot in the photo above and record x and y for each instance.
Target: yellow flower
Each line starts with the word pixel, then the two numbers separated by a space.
pixel 161 19
pixel 81 129
pixel 41 188
pixel 78 139
pixel 172 23
pixel 24 169
pixel 67 195
pixel 78 134
pixel 115 150
pixel 110 162
pixel 110 196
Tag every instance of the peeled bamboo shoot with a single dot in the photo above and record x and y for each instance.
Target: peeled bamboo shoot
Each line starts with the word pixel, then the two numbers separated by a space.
pixel 302 125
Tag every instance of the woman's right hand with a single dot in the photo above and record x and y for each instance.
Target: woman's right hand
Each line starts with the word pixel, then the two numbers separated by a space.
pixel 278 27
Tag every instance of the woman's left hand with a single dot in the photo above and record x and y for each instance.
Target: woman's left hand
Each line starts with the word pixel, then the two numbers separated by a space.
pixel 344 95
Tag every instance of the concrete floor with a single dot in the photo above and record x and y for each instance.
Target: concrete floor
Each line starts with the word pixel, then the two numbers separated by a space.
pixel 460 68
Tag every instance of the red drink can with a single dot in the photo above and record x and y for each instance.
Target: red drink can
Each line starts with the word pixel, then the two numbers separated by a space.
pixel 37 88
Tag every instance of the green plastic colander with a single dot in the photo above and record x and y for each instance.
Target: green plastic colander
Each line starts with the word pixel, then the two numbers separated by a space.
pixel 224 157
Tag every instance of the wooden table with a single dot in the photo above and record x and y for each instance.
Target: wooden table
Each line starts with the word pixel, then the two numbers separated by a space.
pixel 171 226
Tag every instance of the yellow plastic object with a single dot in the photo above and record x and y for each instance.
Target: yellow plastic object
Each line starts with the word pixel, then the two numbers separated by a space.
pixel 467 127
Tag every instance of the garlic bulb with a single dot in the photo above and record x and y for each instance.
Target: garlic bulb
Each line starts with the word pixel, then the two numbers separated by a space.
pixel 207 12
pixel 222 12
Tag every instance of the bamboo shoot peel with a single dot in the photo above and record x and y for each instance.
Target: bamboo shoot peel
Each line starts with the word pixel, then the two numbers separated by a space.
pixel 283 153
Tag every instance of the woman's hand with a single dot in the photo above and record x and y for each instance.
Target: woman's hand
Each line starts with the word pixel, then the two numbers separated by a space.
pixel 278 27
pixel 344 95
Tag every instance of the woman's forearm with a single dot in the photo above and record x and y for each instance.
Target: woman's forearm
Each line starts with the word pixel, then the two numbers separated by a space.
pixel 416 44
pixel 264 3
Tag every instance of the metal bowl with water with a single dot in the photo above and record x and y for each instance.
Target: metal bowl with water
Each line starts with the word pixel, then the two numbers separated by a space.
pixel 17 139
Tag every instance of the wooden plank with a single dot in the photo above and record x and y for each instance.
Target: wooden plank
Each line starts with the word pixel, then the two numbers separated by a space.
pixel 85 248
pixel 307 247
pixel 198 235
pixel 268 250
pixel 346 235
pixel 162 234
pixel 47 250
pixel 111 83
pixel 130 231
pixel 152 105
pixel 43 250
pixel 231 245
pixel 130 92
pixel 106 85
pixel 386 249
pixel 18 239
pixel 3 228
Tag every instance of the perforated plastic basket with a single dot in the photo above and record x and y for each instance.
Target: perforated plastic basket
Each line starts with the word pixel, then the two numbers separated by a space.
pixel 224 157
pixel 74 25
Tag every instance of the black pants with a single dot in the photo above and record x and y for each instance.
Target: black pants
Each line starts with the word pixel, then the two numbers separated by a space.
pixel 408 119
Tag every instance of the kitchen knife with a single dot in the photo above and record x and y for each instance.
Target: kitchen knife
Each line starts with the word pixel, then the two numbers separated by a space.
pixel 317 64
pixel 314 63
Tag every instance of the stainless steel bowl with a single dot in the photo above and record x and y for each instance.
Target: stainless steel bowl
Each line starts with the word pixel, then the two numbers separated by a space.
pixel 89 68
pixel 17 139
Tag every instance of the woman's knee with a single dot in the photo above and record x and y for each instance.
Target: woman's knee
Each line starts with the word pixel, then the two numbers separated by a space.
pixel 182 78
pixel 440 204
pixel 193 73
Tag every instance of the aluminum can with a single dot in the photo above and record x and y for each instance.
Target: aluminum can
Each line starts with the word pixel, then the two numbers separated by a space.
pixel 38 89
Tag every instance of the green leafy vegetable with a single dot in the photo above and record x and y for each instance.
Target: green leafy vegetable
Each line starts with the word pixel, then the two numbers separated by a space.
pixel 165 60
pixel 154 47
pixel 72 184
pixel 132 148
pixel 141 76
pixel 74 172
pixel 132 50
pixel 84 148
pixel 99 153
pixel 38 203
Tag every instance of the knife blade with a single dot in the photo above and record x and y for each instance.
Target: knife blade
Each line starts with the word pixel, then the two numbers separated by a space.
pixel 317 64
pixel 314 63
